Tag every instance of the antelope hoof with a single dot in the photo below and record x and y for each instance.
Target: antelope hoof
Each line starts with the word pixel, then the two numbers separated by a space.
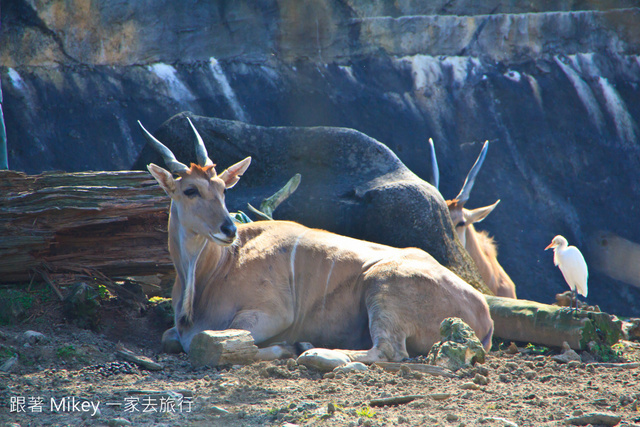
pixel 171 342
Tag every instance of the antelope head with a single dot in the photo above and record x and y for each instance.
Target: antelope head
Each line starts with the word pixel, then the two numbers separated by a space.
pixel 464 218
pixel 198 193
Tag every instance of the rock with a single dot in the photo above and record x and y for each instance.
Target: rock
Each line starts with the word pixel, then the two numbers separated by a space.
pixel 82 304
pixel 33 337
pixel 350 367
pixel 275 372
pixel 567 356
pixel 459 346
pixel 323 360
pixel 505 378
pixel 469 386
pixel 512 349
pixel 119 422
pixel 595 418
pixel 331 408
pixel 480 379
pixel 440 396
pixel 9 364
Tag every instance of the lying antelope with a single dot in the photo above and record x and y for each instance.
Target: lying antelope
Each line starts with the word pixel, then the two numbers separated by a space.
pixel 285 282
pixel 480 246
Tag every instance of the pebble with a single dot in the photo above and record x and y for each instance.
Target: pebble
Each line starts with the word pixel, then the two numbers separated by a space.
pixel 452 417
pixel 504 378
pixel 9 364
pixel 469 386
pixel 113 368
pixel 480 379
pixel 118 422
pixel 567 356
pixel 350 367
pixel 512 366
pixel 440 396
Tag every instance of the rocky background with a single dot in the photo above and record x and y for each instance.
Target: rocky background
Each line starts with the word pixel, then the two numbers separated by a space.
pixel 552 84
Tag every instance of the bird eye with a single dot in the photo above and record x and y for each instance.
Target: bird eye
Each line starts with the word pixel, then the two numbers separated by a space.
pixel 191 192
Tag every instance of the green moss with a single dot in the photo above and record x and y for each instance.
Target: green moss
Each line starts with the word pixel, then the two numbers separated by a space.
pixel 366 412
pixel 66 352
pixel 602 328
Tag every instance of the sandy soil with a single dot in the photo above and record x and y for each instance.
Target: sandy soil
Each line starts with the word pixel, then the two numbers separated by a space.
pixel 61 379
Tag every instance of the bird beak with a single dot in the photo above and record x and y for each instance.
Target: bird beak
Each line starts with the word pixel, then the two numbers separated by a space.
pixel 549 247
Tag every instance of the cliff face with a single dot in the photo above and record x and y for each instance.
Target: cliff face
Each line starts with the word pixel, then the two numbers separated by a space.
pixel 554 85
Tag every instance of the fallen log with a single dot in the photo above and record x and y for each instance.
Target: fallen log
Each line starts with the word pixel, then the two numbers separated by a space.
pixel 112 222
pixel 550 325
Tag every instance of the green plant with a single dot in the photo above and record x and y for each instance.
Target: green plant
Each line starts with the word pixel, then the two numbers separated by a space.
pixel 366 412
pixel 66 352
pixel 536 349
pixel 103 293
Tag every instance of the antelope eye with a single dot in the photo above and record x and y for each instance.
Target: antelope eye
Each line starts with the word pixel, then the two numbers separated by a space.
pixel 461 224
pixel 191 192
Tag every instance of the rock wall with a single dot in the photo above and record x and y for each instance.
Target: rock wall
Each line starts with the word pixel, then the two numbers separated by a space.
pixel 555 85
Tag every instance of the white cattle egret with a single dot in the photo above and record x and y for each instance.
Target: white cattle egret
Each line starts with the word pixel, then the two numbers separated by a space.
pixel 571 263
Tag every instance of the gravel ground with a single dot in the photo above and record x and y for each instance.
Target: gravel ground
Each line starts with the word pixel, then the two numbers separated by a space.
pixel 72 376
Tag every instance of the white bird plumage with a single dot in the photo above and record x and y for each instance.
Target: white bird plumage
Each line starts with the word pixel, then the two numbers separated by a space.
pixel 571 263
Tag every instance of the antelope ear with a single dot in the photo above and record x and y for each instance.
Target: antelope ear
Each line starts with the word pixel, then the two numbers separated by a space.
pixel 232 174
pixel 477 215
pixel 164 178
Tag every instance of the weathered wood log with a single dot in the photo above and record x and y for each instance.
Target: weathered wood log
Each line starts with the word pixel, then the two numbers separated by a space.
pixel 549 325
pixel 112 222
pixel 228 347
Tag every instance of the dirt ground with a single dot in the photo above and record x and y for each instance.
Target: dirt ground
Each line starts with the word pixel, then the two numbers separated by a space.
pixel 71 376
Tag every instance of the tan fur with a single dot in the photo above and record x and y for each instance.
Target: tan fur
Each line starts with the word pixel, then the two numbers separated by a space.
pixel 483 251
pixel 285 282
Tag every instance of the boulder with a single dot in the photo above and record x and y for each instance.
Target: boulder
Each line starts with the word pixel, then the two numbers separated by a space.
pixel 458 348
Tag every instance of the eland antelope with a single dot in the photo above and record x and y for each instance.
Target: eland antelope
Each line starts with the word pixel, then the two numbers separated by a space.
pixel 284 282
pixel 478 244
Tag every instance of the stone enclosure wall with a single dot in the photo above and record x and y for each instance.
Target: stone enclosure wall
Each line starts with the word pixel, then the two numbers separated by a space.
pixel 554 85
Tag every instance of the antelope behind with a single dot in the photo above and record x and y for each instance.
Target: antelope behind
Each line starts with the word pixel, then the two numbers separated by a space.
pixel 479 244
pixel 285 282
